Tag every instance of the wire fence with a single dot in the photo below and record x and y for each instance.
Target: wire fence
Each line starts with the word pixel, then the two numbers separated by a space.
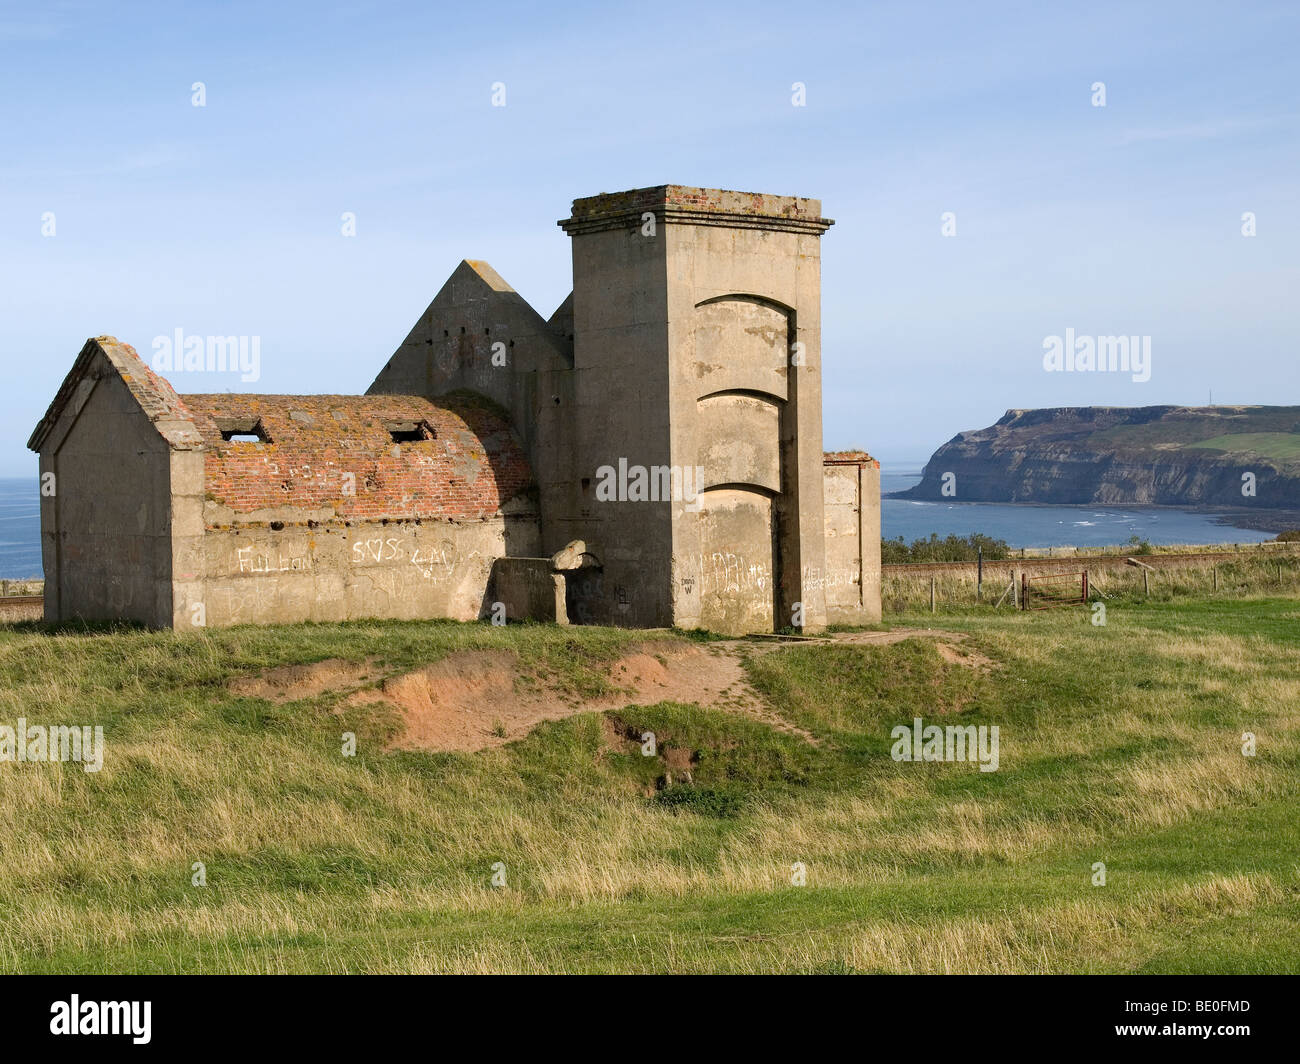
pixel 957 588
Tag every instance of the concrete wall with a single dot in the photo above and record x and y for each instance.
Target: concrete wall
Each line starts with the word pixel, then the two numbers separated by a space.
pixel 188 568
pixel 105 534
pixel 690 347
pixel 741 295
pixel 622 412
pixel 530 590
pixel 737 587
pixel 683 336
pixel 334 572
pixel 454 347
pixel 852 572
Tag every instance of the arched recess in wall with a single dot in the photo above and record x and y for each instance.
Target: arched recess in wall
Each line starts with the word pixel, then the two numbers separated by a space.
pixel 739 480
pixel 739 440
pixel 739 374
pixel 741 344
pixel 738 559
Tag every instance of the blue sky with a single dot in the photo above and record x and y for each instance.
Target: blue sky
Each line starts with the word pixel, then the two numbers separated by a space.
pixel 225 219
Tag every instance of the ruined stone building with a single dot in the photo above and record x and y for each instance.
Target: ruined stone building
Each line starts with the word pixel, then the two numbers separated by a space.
pixel 649 455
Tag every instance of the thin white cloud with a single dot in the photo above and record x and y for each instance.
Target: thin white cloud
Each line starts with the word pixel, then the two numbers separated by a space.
pixel 1211 130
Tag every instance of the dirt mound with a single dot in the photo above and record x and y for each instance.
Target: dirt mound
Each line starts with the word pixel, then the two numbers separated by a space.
pixel 474 699
pixel 288 683
pixel 641 671
pixel 949 644
pixel 466 701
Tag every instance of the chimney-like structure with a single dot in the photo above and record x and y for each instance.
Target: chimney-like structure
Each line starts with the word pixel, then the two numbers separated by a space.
pixel 697 362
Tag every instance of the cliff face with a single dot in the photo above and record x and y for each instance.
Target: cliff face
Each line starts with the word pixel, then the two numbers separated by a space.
pixel 1136 456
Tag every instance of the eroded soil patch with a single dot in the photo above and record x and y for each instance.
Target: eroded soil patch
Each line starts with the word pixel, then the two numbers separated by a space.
pixel 473 699
pixel 951 645
pixel 289 683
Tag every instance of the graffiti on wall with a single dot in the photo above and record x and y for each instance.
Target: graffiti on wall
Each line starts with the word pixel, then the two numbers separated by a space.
pixel 251 560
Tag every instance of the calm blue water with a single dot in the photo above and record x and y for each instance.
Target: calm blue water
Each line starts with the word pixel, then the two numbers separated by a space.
pixel 1044 526
pixel 20 529
pixel 1020 526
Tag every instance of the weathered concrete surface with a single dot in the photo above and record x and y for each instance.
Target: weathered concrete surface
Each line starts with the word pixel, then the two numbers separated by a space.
pixel 479 335
pixel 697 328
pixel 530 589
pixel 687 355
pixel 576 555
pixel 106 447
pixel 400 570
pixel 734 575
pixel 852 574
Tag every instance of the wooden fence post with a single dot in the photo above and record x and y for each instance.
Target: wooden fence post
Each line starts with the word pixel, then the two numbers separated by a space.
pixel 1215 570
pixel 1146 582
pixel 931 594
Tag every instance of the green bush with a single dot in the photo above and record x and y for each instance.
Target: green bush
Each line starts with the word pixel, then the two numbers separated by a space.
pixel 951 549
pixel 1137 545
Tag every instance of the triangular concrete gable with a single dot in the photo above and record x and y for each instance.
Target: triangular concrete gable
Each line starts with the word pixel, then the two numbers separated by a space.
pixel 561 323
pixel 452 345
pixel 104 355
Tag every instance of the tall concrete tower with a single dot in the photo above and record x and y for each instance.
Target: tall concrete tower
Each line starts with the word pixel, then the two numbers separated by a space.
pixel 697 387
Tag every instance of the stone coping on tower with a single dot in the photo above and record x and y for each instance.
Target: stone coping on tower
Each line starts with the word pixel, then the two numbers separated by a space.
pixel 849 458
pixel 684 205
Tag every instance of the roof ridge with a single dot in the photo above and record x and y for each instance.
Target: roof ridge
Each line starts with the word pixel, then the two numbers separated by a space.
pixel 157 399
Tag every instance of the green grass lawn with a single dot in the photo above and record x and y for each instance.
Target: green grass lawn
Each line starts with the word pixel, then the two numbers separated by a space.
pixel 1119 744
pixel 1279 446
pixel 1195 428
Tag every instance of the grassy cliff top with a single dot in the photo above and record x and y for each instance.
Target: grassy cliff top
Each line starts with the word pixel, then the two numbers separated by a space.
pixel 1271 432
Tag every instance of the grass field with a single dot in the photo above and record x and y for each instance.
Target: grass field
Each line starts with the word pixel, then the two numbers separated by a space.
pixel 1250 573
pixel 1196 426
pixel 1119 744
pixel 1280 446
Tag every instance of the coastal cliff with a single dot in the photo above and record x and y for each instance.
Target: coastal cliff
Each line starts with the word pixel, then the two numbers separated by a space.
pixel 1124 456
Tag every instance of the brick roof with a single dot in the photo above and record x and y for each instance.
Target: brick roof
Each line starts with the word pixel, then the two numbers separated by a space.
pixel 471 467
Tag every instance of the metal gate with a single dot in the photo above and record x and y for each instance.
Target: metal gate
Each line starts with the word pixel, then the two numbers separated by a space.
pixel 1057 589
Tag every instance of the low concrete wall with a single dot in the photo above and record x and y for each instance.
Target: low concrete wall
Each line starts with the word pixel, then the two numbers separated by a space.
pixel 530 589
pixel 336 572
pixel 852 494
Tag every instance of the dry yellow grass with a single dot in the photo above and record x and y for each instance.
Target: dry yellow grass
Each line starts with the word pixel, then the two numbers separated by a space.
pixel 316 862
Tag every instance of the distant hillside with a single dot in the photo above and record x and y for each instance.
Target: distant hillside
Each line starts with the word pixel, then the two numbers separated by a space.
pixel 1136 456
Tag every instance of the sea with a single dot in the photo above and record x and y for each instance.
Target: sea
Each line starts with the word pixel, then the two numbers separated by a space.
pixel 1021 525
pixel 20 529
pixel 1034 525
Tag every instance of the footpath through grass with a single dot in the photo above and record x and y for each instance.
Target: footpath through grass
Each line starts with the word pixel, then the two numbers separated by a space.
pixel 1119 745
